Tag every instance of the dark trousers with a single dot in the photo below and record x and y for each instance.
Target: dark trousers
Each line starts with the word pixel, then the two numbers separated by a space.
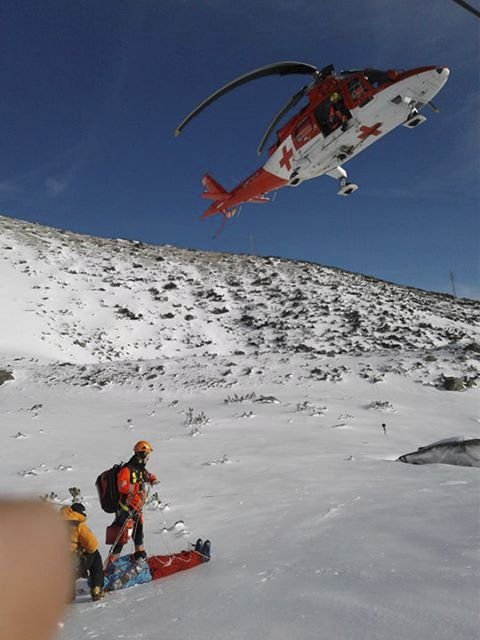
pixel 121 518
pixel 90 566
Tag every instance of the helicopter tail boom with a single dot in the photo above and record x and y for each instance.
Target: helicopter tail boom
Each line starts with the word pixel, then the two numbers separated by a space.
pixel 252 190
pixel 213 189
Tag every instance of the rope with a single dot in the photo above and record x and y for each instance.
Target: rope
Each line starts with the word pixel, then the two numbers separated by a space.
pixel 185 555
pixel 132 515
pixel 135 516
pixel 220 229
pixel 348 218
pixel 167 547
pixel 122 529
pixel 350 247
pixel 165 544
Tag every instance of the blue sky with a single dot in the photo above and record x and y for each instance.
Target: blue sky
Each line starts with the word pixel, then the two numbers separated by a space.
pixel 92 92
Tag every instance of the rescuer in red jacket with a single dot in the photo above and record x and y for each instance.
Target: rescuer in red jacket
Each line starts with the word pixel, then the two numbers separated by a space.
pixel 337 114
pixel 132 481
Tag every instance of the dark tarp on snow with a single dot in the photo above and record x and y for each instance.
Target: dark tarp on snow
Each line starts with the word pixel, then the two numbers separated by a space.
pixel 458 451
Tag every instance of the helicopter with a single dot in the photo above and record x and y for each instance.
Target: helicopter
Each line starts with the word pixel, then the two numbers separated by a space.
pixel 345 113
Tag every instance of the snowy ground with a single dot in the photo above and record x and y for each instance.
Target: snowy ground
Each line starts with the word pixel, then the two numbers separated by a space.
pixel 317 532
pixel 263 385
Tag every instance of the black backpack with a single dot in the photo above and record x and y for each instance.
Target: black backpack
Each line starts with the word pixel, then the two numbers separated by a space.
pixel 107 488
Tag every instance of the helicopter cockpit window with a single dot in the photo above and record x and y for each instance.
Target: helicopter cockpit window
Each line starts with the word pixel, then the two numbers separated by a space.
pixel 377 78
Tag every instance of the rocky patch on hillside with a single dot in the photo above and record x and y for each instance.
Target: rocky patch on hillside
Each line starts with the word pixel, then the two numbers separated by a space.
pixel 90 302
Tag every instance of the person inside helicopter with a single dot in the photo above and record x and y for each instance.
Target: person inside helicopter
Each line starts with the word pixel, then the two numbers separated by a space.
pixel 333 113
pixel 337 114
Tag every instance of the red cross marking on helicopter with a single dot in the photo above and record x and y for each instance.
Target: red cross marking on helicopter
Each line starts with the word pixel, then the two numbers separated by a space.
pixel 286 155
pixel 374 130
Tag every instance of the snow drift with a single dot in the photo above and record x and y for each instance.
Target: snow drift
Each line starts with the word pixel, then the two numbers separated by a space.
pixel 458 451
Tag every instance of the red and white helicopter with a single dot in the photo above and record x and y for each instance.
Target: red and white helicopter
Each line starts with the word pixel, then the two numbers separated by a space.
pixel 346 113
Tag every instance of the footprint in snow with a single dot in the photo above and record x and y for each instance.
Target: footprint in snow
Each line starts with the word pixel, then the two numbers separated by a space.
pixel 35 471
pixel 42 468
pixel 267 400
pixel 178 528
pixel 333 512
pixel 211 463
pixel 157 505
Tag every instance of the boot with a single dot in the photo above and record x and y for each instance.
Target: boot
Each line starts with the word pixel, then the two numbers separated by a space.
pixel 97 593
pixel 198 545
pixel 206 551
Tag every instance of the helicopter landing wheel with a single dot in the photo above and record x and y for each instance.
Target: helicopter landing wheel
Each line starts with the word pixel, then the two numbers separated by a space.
pixel 347 189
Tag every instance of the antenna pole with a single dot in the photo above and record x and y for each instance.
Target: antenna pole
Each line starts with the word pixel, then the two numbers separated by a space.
pixel 452 278
pixel 253 249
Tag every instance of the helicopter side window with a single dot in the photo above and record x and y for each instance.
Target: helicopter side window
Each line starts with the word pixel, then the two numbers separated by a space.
pixel 356 89
pixel 360 91
pixel 304 132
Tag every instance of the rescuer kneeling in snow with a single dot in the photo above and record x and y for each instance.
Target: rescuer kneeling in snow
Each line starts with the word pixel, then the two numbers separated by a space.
pixel 84 547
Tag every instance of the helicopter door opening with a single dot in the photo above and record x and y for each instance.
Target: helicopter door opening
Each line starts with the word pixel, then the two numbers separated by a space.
pixel 332 113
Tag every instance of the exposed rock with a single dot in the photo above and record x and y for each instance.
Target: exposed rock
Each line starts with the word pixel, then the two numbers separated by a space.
pixel 451 383
pixel 5 376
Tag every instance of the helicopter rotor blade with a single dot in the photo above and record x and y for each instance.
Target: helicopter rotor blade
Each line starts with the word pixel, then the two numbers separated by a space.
pixel 468 7
pixel 278 68
pixel 294 100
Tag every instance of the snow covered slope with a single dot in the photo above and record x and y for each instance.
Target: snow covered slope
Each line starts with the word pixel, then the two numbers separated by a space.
pixel 76 299
pixel 278 396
